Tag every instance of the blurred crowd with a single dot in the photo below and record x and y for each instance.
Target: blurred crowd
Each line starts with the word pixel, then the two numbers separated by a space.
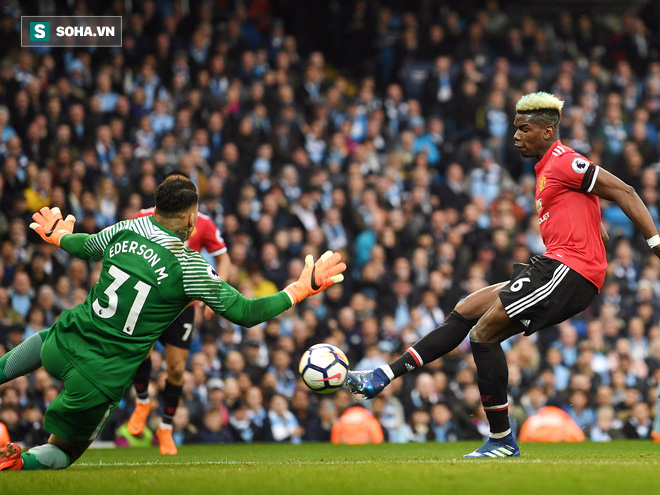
pixel 381 129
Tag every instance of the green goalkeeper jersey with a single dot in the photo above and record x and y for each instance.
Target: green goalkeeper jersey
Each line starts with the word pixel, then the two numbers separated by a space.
pixel 148 279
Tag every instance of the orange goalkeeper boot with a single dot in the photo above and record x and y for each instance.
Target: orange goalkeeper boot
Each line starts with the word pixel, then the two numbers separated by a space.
pixel 10 458
pixel 166 442
pixel 138 419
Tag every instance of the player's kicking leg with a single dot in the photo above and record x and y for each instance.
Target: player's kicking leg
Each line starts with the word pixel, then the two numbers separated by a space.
pixel 542 293
pixel 430 347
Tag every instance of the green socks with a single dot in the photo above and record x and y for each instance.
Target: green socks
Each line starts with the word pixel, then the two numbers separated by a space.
pixel 45 457
pixel 22 359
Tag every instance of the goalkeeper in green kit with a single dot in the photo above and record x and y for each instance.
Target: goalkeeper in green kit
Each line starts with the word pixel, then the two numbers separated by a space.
pixel 148 278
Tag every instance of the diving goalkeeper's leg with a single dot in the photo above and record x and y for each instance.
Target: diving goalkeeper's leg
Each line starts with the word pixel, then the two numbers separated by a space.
pixel 430 347
pixel 22 359
pixel 75 418
pixel 58 453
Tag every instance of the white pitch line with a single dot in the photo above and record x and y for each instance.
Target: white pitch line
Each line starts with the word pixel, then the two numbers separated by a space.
pixel 575 462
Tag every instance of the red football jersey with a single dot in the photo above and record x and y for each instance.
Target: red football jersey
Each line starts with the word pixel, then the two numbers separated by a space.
pixel 205 235
pixel 569 214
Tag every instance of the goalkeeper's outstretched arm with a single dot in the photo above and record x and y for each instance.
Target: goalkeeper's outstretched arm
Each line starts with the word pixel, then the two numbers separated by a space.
pixel 50 225
pixel 55 230
pixel 250 312
pixel 228 302
pixel 52 228
pixel 75 244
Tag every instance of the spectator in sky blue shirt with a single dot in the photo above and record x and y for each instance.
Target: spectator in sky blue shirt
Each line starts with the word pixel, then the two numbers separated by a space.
pixel 6 131
pixel 424 142
pixel 161 120
pixel 285 378
pixel 579 409
pixel 21 293
pixel 107 98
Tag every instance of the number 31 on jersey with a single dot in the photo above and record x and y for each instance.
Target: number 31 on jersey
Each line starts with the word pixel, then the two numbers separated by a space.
pixel 120 277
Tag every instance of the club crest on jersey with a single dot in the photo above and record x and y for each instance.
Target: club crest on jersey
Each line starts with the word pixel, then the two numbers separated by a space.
pixel 213 274
pixel 580 165
pixel 542 183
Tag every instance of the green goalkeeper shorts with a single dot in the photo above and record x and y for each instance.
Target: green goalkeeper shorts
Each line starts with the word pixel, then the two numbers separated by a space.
pixel 80 412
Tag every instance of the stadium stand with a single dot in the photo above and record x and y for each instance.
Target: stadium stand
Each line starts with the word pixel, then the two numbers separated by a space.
pixel 379 128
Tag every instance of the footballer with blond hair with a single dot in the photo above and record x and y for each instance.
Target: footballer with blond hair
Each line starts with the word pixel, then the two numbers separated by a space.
pixel 550 289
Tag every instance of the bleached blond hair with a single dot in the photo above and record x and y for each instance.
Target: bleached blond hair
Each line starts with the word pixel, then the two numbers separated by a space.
pixel 546 107
pixel 539 101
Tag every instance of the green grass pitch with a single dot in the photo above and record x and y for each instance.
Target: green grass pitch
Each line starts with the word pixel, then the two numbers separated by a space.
pixel 622 467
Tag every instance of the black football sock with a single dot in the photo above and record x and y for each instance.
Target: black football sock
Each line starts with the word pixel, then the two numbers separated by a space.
pixel 141 379
pixel 492 378
pixel 435 344
pixel 171 397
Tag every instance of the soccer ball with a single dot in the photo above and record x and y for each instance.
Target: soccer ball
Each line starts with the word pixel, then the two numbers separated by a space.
pixel 323 368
